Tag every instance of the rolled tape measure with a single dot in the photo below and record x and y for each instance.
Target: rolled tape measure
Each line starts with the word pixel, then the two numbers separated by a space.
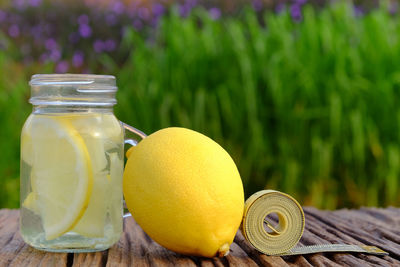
pixel 279 235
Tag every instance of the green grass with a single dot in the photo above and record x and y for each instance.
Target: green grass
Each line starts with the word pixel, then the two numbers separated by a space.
pixel 309 108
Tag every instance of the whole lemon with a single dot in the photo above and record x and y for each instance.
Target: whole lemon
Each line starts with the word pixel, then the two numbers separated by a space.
pixel 185 191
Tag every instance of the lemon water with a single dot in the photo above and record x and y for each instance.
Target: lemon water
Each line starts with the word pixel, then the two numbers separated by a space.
pixel 71 181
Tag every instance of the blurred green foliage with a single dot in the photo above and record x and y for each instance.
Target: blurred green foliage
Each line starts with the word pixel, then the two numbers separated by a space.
pixel 310 108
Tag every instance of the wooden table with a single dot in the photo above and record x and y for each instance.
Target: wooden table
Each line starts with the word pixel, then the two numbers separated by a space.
pixel 369 226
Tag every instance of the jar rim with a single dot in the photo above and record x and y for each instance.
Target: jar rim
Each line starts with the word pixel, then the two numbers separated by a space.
pixel 73 89
pixel 69 78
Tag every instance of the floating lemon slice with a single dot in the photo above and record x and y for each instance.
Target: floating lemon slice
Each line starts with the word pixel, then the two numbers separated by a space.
pixel 30 202
pixel 92 129
pixel 26 142
pixel 93 220
pixel 63 174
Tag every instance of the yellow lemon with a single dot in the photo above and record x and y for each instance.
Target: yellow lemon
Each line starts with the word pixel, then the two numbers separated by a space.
pixel 185 191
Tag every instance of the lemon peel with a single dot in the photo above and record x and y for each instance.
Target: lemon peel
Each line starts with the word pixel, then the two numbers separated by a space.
pixel 185 191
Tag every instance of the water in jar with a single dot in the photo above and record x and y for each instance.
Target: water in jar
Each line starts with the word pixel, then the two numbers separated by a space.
pixel 71 181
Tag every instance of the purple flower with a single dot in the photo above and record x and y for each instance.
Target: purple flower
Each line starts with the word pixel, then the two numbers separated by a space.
pixel 35 3
pixel 137 24
pixel 295 12
pixel 77 59
pixel 158 10
pixel 13 31
pixel 215 13
pixel 191 3
pixel 358 11
pixel 85 31
pixel 50 44
pixel 257 5
pixel 280 7
pixel 55 55
pixel 62 66
pixel 74 37
pixel 110 45
pixel 118 7
pixel 143 13
pixel 154 22
pixel 83 19
pixel 393 8
pixel 111 19
pixel 3 15
pixel 98 46
pixel 184 10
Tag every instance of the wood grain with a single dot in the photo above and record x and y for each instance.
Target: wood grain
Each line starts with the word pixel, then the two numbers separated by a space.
pixel 369 226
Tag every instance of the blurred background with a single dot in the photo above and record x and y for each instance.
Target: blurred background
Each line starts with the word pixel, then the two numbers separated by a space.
pixel 304 95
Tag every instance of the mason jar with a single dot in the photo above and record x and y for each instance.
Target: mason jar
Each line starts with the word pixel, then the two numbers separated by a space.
pixel 72 164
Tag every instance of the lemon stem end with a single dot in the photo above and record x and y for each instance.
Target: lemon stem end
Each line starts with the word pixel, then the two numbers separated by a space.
pixel 223 250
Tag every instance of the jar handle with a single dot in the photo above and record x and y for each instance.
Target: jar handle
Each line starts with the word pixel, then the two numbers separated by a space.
pixel 133 130
pixel 131 142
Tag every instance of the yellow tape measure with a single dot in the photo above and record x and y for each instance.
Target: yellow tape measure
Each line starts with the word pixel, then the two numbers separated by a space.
pixel 279 235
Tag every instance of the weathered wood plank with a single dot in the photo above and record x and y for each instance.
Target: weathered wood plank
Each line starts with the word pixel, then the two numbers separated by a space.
pixel 317 260
pixel 370 226
pixel 359 229
pixel 90 259
pixel 238 257
pixel 255 255
pixel 351 227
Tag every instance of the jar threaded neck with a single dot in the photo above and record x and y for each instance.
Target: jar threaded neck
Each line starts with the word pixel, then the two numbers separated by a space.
pixel 73 89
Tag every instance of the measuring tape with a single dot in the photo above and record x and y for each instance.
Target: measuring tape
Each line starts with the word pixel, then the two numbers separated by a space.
pixel 279 236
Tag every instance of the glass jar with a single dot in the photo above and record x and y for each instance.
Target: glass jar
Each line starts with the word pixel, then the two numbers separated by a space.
pixel 72 164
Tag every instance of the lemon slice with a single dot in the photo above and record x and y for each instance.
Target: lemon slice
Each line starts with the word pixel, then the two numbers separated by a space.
pixel 95 128
pixel 26 142
pixel 101 133
pixel 63 171
pixel 116 173
pixel 107 200
pixel 93 220
pixel 30 202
